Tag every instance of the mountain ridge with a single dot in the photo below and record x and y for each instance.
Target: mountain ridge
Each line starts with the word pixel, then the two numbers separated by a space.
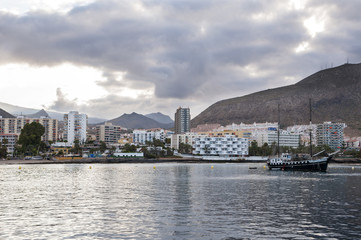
pixel 159 117
pixel 138 121
pixel 335 94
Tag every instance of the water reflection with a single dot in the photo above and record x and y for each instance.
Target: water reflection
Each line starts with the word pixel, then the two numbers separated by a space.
pixel 178 201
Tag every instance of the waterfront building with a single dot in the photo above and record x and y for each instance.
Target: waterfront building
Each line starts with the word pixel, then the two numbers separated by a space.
pixel 61 147
pixel 75 127
pixel 108 133
pixel 286 139
pixel 142 136
pixel 206 127
pixel 186 138
pixel 14 126
pixel 330 134
pixel 182 120
pixel 251 127
pixel 220 146
pixel 10 140
pixel 304 132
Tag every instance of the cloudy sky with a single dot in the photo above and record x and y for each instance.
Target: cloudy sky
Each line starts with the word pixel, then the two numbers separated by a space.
pixel 106 58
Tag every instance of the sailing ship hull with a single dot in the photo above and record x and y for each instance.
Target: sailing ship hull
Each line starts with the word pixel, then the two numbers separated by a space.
pixel 304 165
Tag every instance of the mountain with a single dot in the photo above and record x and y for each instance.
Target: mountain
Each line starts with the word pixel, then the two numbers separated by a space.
pixel 16 110
pixel 159 117
pixel 135 120
pixel 30 112
pixel 39 114
pixel 5 114
pixel 335 94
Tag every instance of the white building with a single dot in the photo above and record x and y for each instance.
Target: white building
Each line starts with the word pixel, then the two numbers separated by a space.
pixel 330 134
pixel 11 142
pixel 271 137
pixel 186 138
pixel 220 146
pixel 251 127
pixel 75 125
pixel 143 136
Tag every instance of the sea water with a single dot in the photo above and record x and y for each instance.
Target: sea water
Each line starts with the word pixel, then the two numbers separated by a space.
pixel 178 201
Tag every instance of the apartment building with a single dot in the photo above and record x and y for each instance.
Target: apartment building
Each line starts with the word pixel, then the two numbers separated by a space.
pixel 182 120
pixel 75 127
pixel 330 134
pixel 186 138
pixel 14 126
pixel 220 146
pixel 10 141
pixel 286 138
pixel 143 136
pixel 108 133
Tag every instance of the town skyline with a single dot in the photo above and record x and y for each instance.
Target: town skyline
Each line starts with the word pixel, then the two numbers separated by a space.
pixel 105 58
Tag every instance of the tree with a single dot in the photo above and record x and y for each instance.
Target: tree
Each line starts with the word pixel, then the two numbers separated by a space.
pixel 184 148
pixel 30 138
pixel 3 148
pixel 253 149
pixel 129 148
pixel 76 149
pixel 102 147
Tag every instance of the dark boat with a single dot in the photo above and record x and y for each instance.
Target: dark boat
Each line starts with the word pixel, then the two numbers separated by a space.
pixel 305 162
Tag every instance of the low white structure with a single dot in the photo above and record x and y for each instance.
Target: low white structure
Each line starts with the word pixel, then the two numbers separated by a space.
pixel 143 136
pixel 220 146
pixel 133 154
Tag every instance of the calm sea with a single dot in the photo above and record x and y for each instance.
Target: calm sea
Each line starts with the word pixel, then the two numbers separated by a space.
pixel 178 201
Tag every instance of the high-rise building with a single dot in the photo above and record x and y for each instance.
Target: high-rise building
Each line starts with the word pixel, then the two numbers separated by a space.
pixel 108 133
pixel 75 125
pixel 330 134
pixel 182 120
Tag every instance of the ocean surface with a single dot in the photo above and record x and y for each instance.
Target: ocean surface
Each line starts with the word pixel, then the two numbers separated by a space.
pixel 178 201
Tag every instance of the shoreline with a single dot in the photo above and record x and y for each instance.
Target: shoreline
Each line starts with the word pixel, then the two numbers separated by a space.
pixel 154 160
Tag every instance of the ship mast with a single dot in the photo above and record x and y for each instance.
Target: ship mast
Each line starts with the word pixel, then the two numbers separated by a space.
pixel 278 132
pixel 310 129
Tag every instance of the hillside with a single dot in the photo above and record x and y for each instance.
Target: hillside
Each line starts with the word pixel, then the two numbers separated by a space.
pixel 335 94
pixel 135 120
pixel 159 117
pixel 5 114
pixel 34 113
pixel 39 114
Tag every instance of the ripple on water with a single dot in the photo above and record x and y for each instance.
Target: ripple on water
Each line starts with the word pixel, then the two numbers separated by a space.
pixel 177 201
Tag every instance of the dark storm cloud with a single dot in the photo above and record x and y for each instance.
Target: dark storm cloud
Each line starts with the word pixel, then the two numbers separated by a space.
pixel 188 51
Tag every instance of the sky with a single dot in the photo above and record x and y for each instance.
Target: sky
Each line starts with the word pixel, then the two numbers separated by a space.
pixel 105 58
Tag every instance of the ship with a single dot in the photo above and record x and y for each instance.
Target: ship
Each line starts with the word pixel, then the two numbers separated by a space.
pixel 303 162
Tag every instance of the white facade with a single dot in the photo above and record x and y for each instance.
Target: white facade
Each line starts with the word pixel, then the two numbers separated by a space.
pixel 330 134
pixel 250 127
pixel 186 138
pixel 271 137
pixel 11 142
pixel 143 136
pixel 75 126
pixel 220 146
